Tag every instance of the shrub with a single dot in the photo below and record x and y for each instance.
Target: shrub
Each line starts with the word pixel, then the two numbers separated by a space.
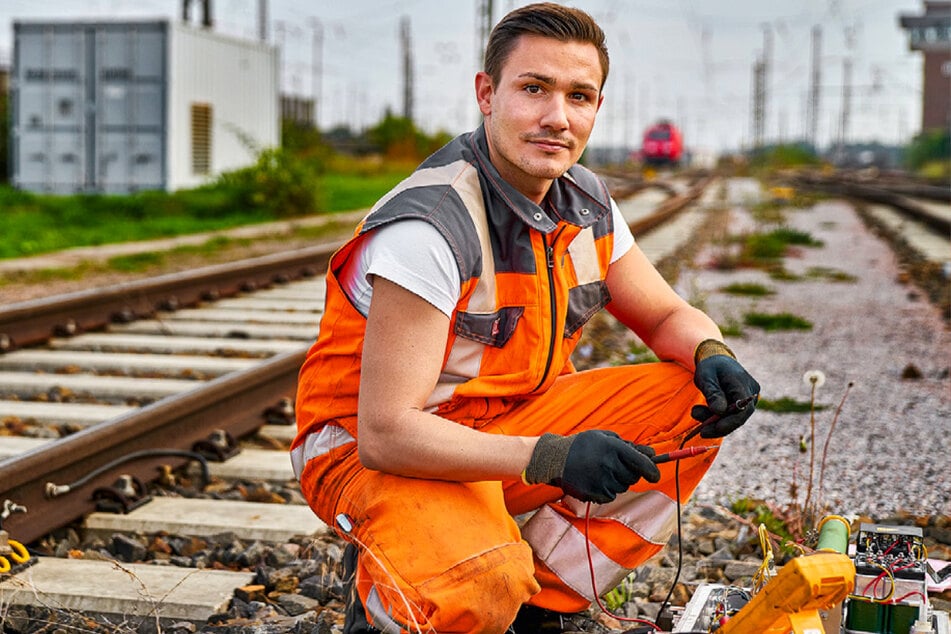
pixel 279 183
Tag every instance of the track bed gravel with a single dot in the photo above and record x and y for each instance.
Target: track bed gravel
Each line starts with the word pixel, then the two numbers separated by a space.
pixel 890 450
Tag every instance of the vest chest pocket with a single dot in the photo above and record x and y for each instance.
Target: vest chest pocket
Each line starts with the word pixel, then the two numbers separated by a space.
pixel 583 302
pixel 491 329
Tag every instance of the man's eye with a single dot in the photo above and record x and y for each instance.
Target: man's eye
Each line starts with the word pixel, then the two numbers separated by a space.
pixel 533 88
pixel 579 96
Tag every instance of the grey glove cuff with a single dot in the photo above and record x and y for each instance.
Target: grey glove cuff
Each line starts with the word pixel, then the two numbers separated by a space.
pixel 548 459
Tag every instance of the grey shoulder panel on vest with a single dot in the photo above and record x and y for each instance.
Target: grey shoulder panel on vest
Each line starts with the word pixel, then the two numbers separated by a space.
pixel 435 193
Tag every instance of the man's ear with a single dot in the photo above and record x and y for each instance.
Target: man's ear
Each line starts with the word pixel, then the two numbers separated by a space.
pixel 484 91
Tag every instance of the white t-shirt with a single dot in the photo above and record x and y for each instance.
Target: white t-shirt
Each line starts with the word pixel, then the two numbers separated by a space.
pixel 413 254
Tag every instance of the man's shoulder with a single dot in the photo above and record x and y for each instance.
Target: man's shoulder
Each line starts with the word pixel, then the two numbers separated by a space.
pixel 585 180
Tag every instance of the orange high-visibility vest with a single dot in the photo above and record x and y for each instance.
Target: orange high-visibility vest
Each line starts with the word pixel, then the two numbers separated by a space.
pixel 531 276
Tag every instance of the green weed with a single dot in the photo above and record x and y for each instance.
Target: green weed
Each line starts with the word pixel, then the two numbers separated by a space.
pixel 731 328
pixel 786 405
pixel 748 289
pixel 773 245
pixel 777 321
pixel 830 274
pixel 136 262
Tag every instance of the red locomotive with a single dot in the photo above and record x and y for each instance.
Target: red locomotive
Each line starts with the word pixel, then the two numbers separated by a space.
pixel 663 144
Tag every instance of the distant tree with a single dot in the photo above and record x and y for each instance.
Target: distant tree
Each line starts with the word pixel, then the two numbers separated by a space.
pixel 928 147
pixel 395 136
pixel 399 138
pixel 785 155
pixel 305 142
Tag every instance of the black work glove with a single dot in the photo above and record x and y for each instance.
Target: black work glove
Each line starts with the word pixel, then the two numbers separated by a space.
pixel 730 391
pixel 593 465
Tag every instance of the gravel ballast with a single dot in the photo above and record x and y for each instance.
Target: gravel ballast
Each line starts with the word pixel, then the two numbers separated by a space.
pixel 890 450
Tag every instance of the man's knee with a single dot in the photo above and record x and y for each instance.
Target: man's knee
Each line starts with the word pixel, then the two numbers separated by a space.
pixel 482 594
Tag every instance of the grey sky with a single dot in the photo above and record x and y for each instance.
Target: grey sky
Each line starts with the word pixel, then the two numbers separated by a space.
pixel 687 60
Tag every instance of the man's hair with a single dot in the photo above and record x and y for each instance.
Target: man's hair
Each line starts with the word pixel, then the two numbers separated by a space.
pixel 546 19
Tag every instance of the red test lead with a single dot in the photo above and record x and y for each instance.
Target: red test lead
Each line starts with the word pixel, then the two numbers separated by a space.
pixel 688 452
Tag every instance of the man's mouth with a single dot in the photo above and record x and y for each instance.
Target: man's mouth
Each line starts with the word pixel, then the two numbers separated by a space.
pixel 550 144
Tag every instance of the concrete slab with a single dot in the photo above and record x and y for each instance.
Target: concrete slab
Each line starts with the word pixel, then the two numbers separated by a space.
pixel 27 384
pixel 228 329
pixel 297 304
pixel 80 414
pixel 254 464
pixel 285 433
pixel 242 316
pixel 314 288
pixel 15 445
pixel 200 517
pixel 163 344
pixel 641 205
pixel 931 245
pixel 671 235
pixel 120 362
pixel 129 590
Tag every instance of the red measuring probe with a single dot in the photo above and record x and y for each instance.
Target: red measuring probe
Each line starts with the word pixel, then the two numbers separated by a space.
pixel 687 452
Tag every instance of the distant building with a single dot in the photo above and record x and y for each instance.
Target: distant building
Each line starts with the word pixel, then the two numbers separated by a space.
pixel 117 107
pixel 300 110
pixel 930 33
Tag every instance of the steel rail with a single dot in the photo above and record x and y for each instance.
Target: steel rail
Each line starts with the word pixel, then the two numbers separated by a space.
pixel 35 321
pixel 235 402
pixel 892 195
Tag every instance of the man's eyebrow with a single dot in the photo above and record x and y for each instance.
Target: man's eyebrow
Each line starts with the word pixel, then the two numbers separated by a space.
pixel 551 81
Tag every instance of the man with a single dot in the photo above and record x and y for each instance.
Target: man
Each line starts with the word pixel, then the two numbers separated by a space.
pixel 439 401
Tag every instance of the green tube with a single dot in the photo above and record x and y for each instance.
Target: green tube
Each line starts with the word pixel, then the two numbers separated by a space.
pixel 834 535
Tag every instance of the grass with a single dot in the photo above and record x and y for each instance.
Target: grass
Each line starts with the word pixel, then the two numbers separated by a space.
pixel 777 321
pixel 747 289
pixel 38 223
pixel 762 250
pixel 347 192
pixel 786 405
pixel 774 244
pixel 830 274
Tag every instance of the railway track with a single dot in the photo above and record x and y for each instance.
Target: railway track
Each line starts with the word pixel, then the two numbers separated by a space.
pixel 169 372
pixel 106 389
pixel 913 217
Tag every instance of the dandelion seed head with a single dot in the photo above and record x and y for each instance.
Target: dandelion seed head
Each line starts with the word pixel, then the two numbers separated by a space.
pixel 814 377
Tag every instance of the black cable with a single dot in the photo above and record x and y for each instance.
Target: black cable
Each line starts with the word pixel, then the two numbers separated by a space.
pixel 680 540
pixel 55 490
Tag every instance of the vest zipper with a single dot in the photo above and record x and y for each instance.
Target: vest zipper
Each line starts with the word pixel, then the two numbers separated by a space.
pixel 550 262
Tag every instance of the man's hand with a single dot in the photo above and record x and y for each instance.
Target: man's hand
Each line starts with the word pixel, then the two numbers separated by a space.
pixel 724 383
pixel 593 465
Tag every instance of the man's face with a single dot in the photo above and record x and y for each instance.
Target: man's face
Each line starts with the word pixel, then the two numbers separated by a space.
pixel 540 115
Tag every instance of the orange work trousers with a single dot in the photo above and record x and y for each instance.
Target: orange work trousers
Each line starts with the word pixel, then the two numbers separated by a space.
pixel 438 556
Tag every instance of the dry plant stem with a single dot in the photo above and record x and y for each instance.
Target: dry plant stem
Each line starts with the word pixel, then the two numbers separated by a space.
pixel 807 508
pixel 825 447
pixel 777 540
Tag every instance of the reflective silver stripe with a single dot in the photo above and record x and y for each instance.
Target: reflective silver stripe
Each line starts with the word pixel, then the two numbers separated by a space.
pixel 650 514
pixel 382 620
pixel 562 546
pixel 317 444
pixel 584 257
pixel 424 177
pixel 465 358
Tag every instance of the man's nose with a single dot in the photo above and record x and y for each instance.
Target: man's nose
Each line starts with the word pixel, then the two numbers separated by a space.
pixel 556 114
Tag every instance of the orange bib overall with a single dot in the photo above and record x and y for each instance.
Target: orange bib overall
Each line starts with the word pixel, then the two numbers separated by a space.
pixel 438 556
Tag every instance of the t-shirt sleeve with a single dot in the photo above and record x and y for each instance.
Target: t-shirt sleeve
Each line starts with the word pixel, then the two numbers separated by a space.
pixel 411 253
pixel 623 238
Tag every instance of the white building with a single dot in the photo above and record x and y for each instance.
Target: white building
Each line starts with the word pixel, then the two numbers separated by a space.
pixel 118 107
